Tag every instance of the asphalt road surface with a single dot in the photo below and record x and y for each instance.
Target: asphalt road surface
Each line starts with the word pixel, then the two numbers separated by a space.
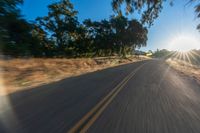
pixel 142 97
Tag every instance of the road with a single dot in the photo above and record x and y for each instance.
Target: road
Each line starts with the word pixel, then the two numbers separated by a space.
pixel 142 97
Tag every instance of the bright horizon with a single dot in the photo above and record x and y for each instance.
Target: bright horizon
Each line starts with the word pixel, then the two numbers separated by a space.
pixel 183 43
pixel 175 28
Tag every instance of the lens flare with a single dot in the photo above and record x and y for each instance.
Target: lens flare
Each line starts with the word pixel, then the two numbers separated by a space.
pixel 183 43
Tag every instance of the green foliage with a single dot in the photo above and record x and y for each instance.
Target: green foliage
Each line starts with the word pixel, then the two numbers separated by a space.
pixel 42 46
pixel 116 36
pixel 15 32
pixel 60 34
pixel 9 7
pixel 149 9
pixel 60 24
pixel 197 10
pixel 129 35
pixel 99 38
pixel 164 53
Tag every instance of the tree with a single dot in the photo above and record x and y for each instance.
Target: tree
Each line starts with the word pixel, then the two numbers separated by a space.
pixel 119 24
pixel 9 7
pixel 19 35
pixel 15 32
pixel 60 24
pixel 118 35
pixel 42 45
pixel 129 34
pixel 149 9
pixel 137 34
pixel 8 13
pixel 60 34
pixel 197 10
pixel 83 45
pixel 100 35
pixel 163 53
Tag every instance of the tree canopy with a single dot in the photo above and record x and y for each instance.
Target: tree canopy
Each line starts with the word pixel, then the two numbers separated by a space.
pixel 60 34
pixel 15 33
pixel 149 9
pixel 197 10
pixel 60 24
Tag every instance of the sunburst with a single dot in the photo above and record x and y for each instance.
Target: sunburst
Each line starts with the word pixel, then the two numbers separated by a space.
pixel 184 43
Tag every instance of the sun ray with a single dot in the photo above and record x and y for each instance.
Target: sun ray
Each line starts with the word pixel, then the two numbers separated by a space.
pixel 195 56
pixel 188 58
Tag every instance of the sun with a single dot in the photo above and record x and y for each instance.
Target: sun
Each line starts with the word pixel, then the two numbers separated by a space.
pixel 184 43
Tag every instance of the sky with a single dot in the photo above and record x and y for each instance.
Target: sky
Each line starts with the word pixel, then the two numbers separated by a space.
pixel 174 29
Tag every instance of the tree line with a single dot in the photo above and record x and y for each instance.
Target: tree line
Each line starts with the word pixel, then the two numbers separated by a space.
pixel 60 34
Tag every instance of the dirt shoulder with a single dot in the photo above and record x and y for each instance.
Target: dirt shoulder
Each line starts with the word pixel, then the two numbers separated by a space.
pixel 185 68
pixel 20 74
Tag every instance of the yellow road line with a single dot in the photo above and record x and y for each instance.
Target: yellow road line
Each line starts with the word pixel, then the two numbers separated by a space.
pixel 108 98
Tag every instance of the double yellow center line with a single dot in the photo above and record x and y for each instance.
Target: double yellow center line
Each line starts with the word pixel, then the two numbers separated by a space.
pixel 87 120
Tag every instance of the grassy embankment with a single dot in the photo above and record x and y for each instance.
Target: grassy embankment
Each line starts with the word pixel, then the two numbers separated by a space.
pixel 186 68
pixel 20 74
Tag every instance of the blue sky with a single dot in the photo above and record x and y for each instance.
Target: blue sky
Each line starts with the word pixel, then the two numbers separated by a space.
pixel 173 22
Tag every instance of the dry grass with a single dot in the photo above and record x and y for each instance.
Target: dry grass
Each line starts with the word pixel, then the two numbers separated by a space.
pixel 18 74
pixel 185 68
